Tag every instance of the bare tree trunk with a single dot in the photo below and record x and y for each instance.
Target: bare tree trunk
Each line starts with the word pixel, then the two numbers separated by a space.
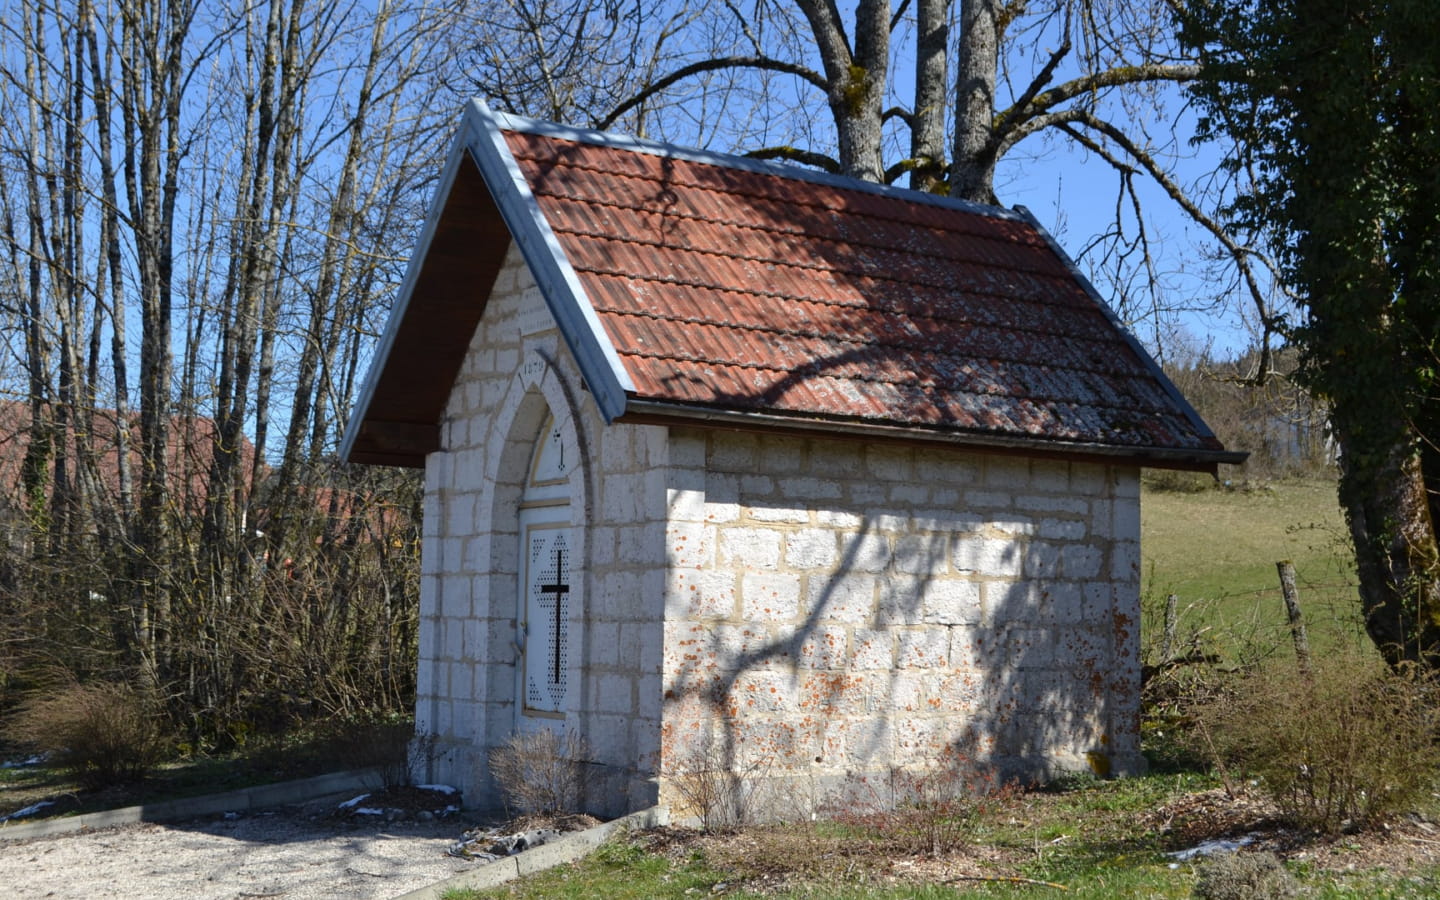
pixel 857 80
pixel 927 129
pixel 972 171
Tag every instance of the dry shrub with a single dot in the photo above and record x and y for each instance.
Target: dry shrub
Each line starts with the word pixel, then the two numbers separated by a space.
pixel 932 811
pixel 389 749
pixel 719 795
pixel 1345 747
pixel 105 733
pixel 1245 876
pixel 541 773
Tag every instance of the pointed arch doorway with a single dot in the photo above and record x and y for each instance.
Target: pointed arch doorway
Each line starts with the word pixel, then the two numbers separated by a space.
pixel 548 588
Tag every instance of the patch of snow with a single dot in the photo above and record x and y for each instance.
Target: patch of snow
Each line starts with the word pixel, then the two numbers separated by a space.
pixel 449 810
pixel 369 811
pixel 30 810
pixel 1210 848
pixel 438 788
pixel 353 801
pixel 22 763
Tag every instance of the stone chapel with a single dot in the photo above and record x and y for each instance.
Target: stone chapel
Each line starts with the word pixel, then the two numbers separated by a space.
pixel 738 465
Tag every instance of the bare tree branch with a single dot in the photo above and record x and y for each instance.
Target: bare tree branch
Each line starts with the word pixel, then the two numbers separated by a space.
pixel 710 65
pixel 795 154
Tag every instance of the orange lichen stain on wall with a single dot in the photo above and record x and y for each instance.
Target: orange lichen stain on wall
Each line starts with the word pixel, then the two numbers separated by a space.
pixel 831 689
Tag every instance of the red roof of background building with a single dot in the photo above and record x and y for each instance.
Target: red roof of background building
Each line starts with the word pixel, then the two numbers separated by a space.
pixel 728 286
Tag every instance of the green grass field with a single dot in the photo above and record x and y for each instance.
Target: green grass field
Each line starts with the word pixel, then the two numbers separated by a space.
pixel 1216 550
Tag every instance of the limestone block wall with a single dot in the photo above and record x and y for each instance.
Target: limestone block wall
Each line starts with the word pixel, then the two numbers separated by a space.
pixel 516 371
pixel 834 608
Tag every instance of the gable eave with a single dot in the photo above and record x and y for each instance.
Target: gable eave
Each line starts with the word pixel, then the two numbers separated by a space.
pixel 481 204
pixel 560 286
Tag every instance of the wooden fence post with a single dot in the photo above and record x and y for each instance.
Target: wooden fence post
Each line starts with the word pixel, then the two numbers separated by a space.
pixel 1292 610
pixel 1167 645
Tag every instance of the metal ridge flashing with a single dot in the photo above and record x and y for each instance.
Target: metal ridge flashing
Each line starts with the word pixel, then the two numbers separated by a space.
pixel 1146 359
pixel 564 295
pixel 1165 457
pixel 402 299
pixel 544 128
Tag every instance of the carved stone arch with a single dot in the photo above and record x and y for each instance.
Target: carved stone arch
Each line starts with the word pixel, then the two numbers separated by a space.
pixel 537 394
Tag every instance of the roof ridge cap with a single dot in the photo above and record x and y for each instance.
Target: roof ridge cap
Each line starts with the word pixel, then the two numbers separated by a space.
pixel 615 140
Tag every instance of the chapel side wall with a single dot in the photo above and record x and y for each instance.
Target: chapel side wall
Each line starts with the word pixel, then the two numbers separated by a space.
pixel 515 369
pixel 836 608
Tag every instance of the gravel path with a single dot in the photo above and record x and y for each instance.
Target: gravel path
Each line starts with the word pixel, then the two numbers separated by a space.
pixel 295 853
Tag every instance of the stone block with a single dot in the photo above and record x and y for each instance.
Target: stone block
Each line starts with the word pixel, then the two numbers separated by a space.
pixel 1087 479
pixel 1031 648
pixel 1013 601
pixel 888 463
pixel 700 594
pixel 988 557
pixel 1012 525
pixel 822 647
pixel 1064 603
pixel 948 468
pixel 946 520
pixel 764 692
pixel 722 513
pixel 770 598
pixel 806 488
pixel 836 459
pixel 754 487
pixel 1009 474
pixel 838 519
pixel 604 540
pixel 866 552
pixel 635 639
pixel 1049 476
pixel 779 514
pixel 922 648
pixel 810 548
pixel 687 448
pixel 603 642
pixel 617 449
pixel 623 498
pixel 1125 520
pixel 685 505
pixel 782 455
pixel 973 649
pixel 733 452
pixel 920 554
pixel 843 598
pixel 901 600
pixel 750 548
pixel 951 601
pixel 866 494
pixel 998 500
pixel 910 494
pixel 641 545
pixel 871 649
pixel 1080 561
pixel 1061 529
pixel 1042 560
pixel 1051 504
pixel 614 693
pixel 1126 480
pixel 1125 562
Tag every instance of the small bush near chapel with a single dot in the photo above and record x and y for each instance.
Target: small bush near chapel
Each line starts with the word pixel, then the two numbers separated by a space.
pixel 541 773
pixel 104 733
pixel 1245 876
pixel 1342 747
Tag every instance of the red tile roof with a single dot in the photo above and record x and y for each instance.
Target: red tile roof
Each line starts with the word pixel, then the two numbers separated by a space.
pixel 722 285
